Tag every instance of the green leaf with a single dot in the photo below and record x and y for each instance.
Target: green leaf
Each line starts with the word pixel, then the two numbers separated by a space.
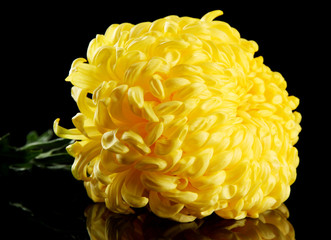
pixel 33 136
pixel 5 148
pixel 38 152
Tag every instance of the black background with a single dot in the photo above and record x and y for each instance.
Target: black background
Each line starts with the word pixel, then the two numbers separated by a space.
pixel 39 42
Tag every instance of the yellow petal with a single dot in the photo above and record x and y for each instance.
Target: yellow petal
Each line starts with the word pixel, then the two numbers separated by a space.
pixel 139 29
pixel 101 174
pixel 156 87
pixel 95 190
pixel 102 119
pixel 151 164
pixel 85 126
pixel 149 113
pixel 134 73
pixel 154 131
pixel 162 207
pixel 128 158
pixel 192 90
pixel 201 163
pixel 67 133
pixel 136 141
pixel 105 58
pixel 96 43
pixel 125 60
pixel 195 141
pixel 85 105
pixel 114 200
pixel 184 218
pixel 109 162
pixel 132 191
pixel 182 165
pixel 74 149
pixel 80 165
pixel 173 84
pixel 179 196
pixel 228 191
pixel 211 15
pixel 136 98
pixel 165 146
pixel 155 64
pixel 85 76
pixel 172 159
pixel 116 103
pixel 110 142
pixel 158 182
pixel 209 181
pixel 168 108
pixel 142 44
pixel 220 161
pixel 103 91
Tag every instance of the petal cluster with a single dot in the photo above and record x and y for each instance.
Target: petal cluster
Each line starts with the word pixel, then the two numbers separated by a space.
pixel 178 115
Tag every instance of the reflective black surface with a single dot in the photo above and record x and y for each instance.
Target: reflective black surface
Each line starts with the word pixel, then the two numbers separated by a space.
pixel 52 205
pixel 43 204
pixel 102 224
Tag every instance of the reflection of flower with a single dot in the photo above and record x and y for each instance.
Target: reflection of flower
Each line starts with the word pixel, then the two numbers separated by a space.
pixel 178 115
pixel 103 224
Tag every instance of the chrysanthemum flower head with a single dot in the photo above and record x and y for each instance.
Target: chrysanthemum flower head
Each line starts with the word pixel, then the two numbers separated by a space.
pixel 178 115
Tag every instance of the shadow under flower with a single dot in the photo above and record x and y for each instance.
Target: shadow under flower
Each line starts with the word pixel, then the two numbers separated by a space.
pixel 103 224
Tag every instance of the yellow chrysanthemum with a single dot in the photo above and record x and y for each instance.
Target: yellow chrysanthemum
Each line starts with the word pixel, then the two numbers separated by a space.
pixel 182 118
